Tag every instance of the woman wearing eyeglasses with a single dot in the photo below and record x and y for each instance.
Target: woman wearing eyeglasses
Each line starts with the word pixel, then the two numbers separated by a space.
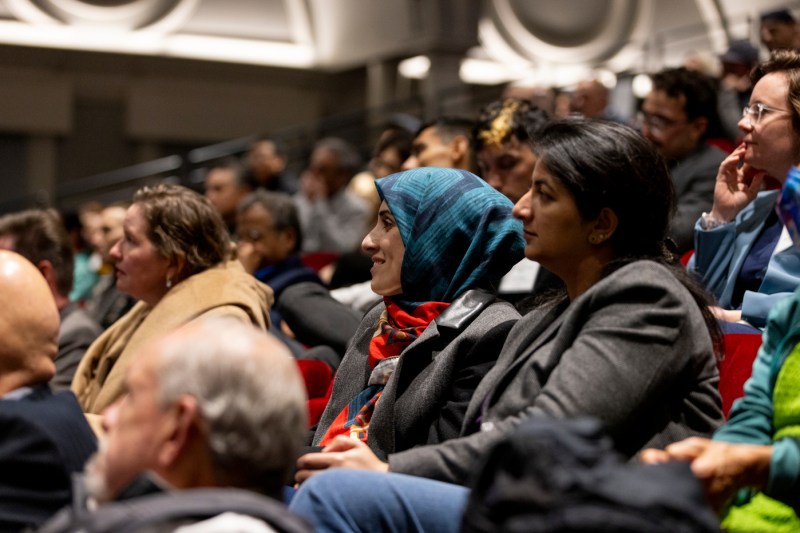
pixel 742 251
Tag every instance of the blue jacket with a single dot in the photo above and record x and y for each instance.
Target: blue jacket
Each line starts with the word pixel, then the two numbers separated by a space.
pixel 720 253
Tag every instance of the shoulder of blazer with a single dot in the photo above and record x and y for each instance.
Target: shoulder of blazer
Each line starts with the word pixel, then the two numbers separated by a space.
pixel 463 311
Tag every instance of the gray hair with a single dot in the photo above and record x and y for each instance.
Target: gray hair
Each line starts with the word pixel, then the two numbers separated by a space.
pixel 250 395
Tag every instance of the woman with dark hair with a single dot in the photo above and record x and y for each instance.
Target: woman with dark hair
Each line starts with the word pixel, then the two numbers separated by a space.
pixel 630 343
pixel 173 258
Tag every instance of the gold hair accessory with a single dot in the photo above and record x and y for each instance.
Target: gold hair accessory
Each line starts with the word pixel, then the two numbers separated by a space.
pixel 500 128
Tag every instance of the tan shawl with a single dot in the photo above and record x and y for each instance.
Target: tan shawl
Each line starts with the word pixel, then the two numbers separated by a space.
pixel 223 290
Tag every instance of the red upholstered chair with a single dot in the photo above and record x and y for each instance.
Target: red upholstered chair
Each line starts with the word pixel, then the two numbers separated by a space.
pixel 318 379
pixel 736 367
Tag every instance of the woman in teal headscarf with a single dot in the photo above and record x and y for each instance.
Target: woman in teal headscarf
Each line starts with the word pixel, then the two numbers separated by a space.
pixel 443 240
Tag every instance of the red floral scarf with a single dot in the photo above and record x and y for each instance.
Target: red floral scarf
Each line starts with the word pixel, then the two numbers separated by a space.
pixel 396 329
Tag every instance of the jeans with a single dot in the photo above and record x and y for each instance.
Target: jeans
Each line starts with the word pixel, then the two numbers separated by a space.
pixel 357 500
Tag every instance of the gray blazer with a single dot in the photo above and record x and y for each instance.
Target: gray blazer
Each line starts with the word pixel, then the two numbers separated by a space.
pixel 426 397
pixel 632 351
pixel 77 331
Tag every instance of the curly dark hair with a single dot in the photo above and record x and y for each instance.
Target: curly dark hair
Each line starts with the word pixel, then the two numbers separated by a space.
pixel 506 118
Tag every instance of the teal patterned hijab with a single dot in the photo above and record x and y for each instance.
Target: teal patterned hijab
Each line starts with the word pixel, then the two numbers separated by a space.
pixel 458 232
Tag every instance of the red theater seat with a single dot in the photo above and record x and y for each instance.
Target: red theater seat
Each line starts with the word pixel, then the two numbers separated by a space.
pixel 318 379
pixel 736 367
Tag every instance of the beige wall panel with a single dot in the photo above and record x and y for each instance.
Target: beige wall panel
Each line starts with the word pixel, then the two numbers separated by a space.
pixel 35 102
pixel 162 109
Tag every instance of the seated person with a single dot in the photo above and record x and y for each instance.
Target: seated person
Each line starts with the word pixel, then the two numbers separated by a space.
pixel 202 411
pixel 442 235
pixel 39 236
pixel 174 258
pixel 44 437
pixel 630 343
pixel 269 242
pixel 757 450
pixel 742 251
pixel 501 144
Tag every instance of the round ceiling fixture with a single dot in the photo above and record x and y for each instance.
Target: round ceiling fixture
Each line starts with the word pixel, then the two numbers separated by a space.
pixel 567 31
pixel 106 14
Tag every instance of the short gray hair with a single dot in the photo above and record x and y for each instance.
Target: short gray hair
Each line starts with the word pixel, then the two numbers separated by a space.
pixel 250 395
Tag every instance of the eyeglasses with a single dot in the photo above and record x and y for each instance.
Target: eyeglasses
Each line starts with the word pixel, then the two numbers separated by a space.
pixel 655 122
pixel 754 112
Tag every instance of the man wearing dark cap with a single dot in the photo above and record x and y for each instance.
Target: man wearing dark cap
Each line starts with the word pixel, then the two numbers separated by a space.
pixel 735 85
pixel 779 30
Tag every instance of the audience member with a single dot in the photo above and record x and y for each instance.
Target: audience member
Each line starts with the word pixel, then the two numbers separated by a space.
pixel 269 242
pixel 44 438
pixel 443 240
pixel 203 411
pixel 39 237
pixel 225 187
pixel 500 141
pixel 678 117
pixel 174 258
pixel 500 144
pixel 590 100
pixel 742 251
pixel 333 219
pixel 83 228
pixel 756 453
pixel 444 142
pixel 779 30
pixel 265 164
pixel 735 86
pixel 542 97
pixel 107 303
pixel 630 343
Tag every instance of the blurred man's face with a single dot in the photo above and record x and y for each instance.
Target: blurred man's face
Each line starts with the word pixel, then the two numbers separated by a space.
pixel 264 161
pixel 777 35
pixel 254 227
pixel 223 191
pixel 136 425
pixel 666 125
pixel 429 150
pixel 112 218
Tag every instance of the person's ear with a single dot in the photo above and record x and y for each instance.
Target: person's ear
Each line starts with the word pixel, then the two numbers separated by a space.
pixel 287 240
pixel 180 426
pixel 603 226
pixel 698 127
pixel 459 151
pixel 176 267
pixel 49 273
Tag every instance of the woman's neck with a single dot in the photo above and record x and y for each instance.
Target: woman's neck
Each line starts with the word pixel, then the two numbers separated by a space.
pixel 586 273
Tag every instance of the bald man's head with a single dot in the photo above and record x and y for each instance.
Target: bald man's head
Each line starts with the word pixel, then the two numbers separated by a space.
pixel 29 324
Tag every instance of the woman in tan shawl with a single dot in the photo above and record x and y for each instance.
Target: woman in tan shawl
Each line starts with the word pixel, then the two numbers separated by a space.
pixel 174 258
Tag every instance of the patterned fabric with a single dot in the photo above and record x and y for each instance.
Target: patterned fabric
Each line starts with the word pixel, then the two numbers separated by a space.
pixel 459 234
pixel 789 204
pixel 458 231
pixel 396 330
pixel 762 513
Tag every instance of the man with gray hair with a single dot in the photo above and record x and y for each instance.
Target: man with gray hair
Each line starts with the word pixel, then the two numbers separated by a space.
pixel 333 219
pixel 202 411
